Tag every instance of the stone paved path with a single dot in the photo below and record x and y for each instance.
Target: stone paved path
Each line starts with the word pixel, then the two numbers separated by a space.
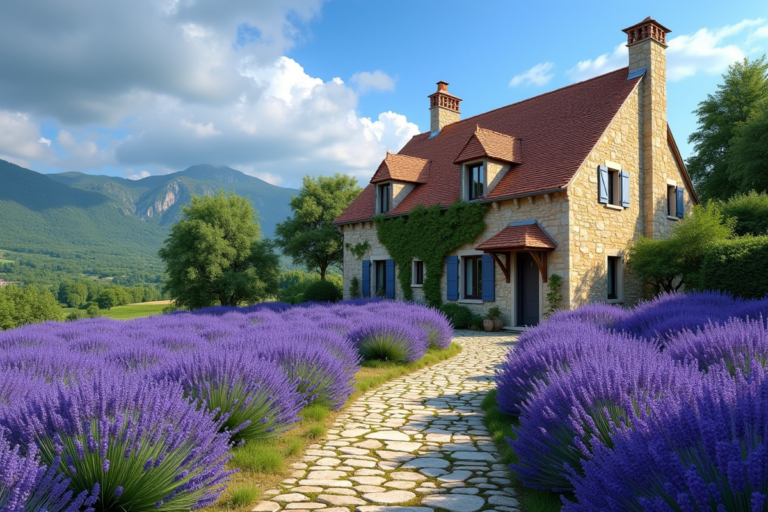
pixel 412 445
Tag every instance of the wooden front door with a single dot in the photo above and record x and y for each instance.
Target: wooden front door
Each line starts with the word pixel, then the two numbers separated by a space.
pixel 527 290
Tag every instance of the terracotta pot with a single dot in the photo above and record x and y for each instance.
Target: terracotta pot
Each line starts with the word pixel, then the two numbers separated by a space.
pixel 498 323
pixel 488 324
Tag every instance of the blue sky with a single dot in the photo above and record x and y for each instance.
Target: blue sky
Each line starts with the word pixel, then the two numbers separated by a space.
pixel 293 87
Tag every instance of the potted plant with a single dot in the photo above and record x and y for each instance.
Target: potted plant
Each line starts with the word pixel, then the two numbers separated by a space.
pixel 488 323
pixel 494 314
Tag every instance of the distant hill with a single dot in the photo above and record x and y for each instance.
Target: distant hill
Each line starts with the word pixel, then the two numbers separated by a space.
pixel 158 199
pixel 59 226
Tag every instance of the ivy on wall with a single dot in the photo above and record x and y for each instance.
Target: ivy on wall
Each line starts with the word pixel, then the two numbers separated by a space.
pixel 429 234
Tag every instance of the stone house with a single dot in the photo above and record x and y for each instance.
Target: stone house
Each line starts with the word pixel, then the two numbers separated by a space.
pixel 571 179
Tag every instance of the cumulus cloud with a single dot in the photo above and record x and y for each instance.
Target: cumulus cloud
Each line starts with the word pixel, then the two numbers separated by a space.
pixel 705 51
pixel 133 175
pixel 538 75
pixel 164 85
pixel 376 81
pixel 20 138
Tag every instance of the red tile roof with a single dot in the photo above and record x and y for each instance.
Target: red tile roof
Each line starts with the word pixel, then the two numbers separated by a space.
pixel 492 144
pixel 402 168
pixel 557 129
pixel 527 236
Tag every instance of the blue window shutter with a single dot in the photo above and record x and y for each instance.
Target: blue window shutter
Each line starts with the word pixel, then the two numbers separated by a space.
pixel 602 184
pixel 390 284
pixel 489 279
pixel 366 278
pixel 452 264
pixel 680 200
pixel 624 189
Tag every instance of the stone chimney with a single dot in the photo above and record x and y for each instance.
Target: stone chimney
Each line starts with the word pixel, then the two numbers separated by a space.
pixel 443 108
pixel 647 43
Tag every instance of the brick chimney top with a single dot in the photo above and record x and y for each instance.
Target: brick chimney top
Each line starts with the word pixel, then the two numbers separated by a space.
pixel 442 98
pixel 443 107
pixel 648 28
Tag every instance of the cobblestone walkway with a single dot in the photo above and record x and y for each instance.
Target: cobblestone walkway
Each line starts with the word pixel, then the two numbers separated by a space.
pixel 412 445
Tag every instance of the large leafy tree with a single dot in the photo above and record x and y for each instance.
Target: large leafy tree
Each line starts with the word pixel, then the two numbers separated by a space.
pixel 748 158
pixel 668 264
pixel 721 115
pixel 214 255
pixel 26 305
pixel 309 237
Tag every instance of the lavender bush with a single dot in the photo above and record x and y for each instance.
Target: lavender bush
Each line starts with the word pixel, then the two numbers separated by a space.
pixel 390 340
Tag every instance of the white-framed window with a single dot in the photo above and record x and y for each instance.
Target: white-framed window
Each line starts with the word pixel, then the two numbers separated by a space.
pixel 417 274
pixel 614 275
pixel 384 197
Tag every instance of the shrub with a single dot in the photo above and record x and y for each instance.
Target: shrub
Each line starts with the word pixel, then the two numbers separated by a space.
pixel 459 316
pixel 75 315
pixel 390 340
pixel 28 486
pixel 254 396
pixel 734 346
pixel 26 305
pixel 477 323
pixel 707 454
pixel 579 409
pixel 354 288
pixel 322 291
pixel 738 267
pixel 554 296
pixel 750 211
pixel 164 452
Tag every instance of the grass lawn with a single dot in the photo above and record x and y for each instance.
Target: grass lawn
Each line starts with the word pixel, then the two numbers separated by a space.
pixel 129 311
pixel 263 465
pixel 6 261
pixel 500 426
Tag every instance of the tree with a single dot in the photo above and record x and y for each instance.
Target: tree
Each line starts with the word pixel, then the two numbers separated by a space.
pixel 309 237
pixel 744 86
pixel 748 158
pixel 107 299
pixel 214 256
pixel 26 305
pixel 750 211
pixel 668 264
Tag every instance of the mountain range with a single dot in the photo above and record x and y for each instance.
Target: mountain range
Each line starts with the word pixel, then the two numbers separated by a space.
pixel 109 225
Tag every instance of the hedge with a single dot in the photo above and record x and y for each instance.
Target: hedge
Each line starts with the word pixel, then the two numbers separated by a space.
pixel 738 266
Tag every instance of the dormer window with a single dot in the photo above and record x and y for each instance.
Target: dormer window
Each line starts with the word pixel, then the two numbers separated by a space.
pixel 385 197
pixel 476 180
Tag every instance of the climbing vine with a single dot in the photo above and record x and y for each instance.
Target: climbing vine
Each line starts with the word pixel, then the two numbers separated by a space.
pixel 359 250
pixel 429 234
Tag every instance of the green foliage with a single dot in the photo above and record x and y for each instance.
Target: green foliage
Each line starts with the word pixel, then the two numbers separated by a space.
pixel 429 234
pixel 554 296
pixel 214 256
pixel 359 250
pixel 750 211
pixel 737 266
pixel 748 156
pixel 384 347
pixel 93 311
pixel 244 495
pixel 107 299
pixel 294 284
pixel 75 315
pixel 725 162
pixel 459 316
pixel 669 263
pixel 493 313
pixel 26 305
pixel 354 288
pixel 477 322
pixel 309 237
pixel 322 291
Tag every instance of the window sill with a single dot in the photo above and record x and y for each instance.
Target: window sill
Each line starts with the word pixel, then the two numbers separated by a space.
pixel 614 301
pixel 614 206
pixel 417 286
pixel 470 301
pixel 670 217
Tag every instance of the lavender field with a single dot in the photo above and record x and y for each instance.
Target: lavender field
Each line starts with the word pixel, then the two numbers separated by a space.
pixel 663 407
pixel 143 415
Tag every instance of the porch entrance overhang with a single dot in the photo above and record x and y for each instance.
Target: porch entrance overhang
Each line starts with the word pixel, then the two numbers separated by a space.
pixel 522 236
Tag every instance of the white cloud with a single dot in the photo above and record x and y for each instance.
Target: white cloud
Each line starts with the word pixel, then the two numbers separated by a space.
pixel 705 51
pixel 538 75
pixel 20 137
pixel 133 175
pixel 201 131
pixel 376 81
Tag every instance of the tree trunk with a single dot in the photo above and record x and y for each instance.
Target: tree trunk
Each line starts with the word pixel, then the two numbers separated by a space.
pixel 322 272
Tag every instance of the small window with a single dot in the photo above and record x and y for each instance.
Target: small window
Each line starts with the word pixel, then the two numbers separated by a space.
pixel 473 277
pixel 381 278
pixel 614 188
pixel 418 273
pixel 384 196
pixel 614 277
pixel 671 200
pixel 476 181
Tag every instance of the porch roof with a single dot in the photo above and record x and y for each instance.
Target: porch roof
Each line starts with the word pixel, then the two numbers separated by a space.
pixel 524 235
